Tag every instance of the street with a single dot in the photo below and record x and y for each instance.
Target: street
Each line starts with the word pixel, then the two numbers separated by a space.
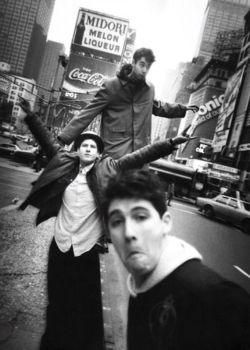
pixel 13 182
pixel 23 260
pixel 223 247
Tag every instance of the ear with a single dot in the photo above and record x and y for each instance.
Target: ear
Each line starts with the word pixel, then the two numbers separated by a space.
pixel 166 222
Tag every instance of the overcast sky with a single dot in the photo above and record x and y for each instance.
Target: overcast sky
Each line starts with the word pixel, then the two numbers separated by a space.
pixel 169 27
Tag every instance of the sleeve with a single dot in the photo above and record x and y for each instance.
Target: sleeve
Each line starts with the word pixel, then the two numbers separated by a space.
pixel 145 155
pixel 169 110
pixel 86 116
pixel 42 135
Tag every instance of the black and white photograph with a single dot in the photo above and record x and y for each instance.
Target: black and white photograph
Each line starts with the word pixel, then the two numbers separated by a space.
pixel 124 175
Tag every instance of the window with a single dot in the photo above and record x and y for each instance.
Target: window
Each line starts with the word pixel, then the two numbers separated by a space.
pixel 222 199
pixel 233 203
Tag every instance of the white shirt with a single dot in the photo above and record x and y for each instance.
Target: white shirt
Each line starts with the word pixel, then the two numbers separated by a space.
pixel 77 223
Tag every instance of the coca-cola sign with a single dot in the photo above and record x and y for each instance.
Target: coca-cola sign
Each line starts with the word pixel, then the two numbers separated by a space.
pixel 95 79
pixel 85 74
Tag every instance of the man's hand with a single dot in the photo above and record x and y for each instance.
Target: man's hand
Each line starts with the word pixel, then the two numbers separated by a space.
pixel 179 139
pixel 25 105
pixel 192 108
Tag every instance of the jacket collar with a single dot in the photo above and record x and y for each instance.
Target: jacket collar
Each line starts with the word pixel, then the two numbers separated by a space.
pixel 125 82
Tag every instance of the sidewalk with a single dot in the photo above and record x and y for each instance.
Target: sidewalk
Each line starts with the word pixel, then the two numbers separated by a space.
pixel 23 269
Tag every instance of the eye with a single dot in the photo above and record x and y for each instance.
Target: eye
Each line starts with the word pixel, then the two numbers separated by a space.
pixel 140 217
pixel 115 222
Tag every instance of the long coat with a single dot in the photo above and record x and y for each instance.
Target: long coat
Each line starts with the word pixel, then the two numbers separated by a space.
pixel 126 116
pixel 63 167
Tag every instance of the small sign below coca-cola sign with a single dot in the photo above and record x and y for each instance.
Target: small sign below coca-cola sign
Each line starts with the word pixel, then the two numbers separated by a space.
pixel 85 74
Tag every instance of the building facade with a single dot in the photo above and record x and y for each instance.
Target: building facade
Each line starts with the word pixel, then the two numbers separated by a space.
pixel 220 15
pixel 51 71
pixel 24 87
pixel 24 26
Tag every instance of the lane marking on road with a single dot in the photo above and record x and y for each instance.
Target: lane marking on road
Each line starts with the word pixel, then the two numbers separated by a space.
pixel 183 204
pixel 184 211
pixel 242 271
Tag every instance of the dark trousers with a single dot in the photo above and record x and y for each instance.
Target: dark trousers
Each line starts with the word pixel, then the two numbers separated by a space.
pixel 74 312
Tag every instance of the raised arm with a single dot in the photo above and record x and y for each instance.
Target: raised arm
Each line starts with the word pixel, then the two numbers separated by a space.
pixel 39 130
pixel 85 117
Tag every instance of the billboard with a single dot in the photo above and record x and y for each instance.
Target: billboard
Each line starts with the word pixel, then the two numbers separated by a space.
pixel 99 34
pixel 227 110
pixel 203 126
pixel 85 75
pixel 207 111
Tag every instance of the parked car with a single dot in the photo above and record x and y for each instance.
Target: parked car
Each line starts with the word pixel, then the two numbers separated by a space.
pixel 8 149
pixel 25 155
pixel 230 209
pixel 15 152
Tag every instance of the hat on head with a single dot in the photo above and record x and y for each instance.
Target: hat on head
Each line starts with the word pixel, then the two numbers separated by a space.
pixel 89 135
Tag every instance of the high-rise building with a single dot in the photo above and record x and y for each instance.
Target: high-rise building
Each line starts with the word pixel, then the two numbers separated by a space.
pixel 220 15
pixel 24 26
pixel 51 71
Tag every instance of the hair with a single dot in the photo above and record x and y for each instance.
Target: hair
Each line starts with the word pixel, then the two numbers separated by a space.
pixel 135 184
pixel 143 52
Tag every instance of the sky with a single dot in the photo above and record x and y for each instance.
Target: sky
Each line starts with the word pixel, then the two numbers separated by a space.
pixel 171 28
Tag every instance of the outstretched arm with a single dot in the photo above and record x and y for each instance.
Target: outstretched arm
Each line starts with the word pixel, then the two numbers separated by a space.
pixel 38 129
pixel 85 117
pixel 172 110
pixel 150 153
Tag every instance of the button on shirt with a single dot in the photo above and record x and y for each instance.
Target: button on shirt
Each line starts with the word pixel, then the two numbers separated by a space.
pixel 77 223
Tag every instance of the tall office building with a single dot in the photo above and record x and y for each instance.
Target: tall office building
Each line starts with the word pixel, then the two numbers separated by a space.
pixel 24 26
pixel 220 15
pixel 51 72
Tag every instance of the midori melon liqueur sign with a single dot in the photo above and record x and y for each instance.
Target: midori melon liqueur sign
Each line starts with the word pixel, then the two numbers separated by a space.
pixel 99 32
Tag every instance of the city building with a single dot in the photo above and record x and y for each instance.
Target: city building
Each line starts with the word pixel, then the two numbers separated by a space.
pixel 208 93
pixel 236 147
pixel 51 71
pixel 23 32
pixel 25 88
pixel 187 72
pixel 220 15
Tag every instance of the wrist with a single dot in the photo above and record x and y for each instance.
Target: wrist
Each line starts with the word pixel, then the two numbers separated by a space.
pixel 171 141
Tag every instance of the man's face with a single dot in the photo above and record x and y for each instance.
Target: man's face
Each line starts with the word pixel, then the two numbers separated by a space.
pixel 141 68
pixel 88 151
pixel 137 232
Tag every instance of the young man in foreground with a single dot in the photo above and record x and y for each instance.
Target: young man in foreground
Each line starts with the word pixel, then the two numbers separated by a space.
pixel 176 302
pixel 70 188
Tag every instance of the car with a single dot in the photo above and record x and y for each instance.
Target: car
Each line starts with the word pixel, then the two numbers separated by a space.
pixel 8 149
pixel 25 155
pixel 15 152
pixel 230 209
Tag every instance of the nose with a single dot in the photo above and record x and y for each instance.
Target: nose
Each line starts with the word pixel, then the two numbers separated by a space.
pixel 129 231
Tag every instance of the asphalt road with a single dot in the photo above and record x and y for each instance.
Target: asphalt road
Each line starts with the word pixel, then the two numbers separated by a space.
pixel 15 181
pixel 223 247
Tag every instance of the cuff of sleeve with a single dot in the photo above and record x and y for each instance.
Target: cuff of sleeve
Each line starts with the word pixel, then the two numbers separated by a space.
pixel 171 142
